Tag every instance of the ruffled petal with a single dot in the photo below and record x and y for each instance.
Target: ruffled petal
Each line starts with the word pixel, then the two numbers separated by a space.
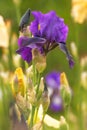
pixel 49 26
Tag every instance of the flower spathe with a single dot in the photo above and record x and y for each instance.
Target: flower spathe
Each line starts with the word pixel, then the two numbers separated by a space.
pixel 48 31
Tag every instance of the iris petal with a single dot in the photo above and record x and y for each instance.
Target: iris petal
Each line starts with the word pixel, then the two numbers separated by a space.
pixel 26 53
pixel 52 27
pixel 25 41
pixel 63 47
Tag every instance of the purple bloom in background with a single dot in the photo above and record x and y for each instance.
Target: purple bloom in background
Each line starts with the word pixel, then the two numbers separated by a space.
pixel 53 85
pixel 53 80
pixel 49 31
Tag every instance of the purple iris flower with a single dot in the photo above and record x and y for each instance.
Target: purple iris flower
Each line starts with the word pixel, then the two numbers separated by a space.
pixel 53 85
pixel 49 31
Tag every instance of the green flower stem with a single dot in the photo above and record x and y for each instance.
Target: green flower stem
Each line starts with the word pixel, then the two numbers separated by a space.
pixel 79 93
pixel 34 74
pixel 36 80
pixel 36 114
pixel 67 112
pixel 33 107
pixel 32 117
pixel 39 77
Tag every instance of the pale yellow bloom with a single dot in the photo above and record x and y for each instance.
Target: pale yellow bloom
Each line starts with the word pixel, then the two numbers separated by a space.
pixel 4 38
pixel 79 10
pixel 51 122
pixel 48 120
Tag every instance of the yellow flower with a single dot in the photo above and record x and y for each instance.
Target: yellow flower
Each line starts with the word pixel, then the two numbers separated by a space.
pixel 18 85
pixel 4 38
pixel 79 10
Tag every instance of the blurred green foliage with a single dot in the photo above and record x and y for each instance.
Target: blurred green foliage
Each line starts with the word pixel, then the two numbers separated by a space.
pixel 56 59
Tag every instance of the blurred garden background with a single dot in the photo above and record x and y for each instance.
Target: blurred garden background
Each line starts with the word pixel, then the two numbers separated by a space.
pixel 10 14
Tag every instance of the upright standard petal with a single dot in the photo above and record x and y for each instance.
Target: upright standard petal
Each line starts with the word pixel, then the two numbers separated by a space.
pixel 49 26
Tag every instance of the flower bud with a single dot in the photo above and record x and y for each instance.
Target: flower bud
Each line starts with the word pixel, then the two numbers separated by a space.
pixel 31 93
pixel 63 124
pixel 23 104
pixel 45 100
pixel 65 90
pixel 18 85
pixel 29 72
pixel 66 95
pixel 41 87
pixel 39 60
pixel 21 83
pixel 14 86
pixel 18 112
